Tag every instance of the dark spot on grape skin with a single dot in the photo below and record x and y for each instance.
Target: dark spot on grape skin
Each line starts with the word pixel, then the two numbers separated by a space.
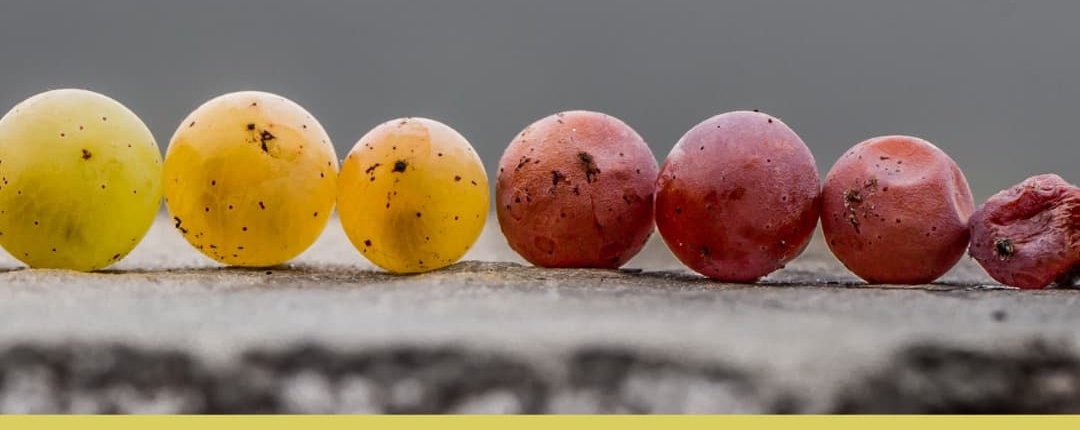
pixel 418 214
pixel 86 154
pixel 250 126
pixel 367 242
pixel 213 183
pixel 455 217
pixel 589 165
pixel 103 186
pixel 1003 248
pixel 261 205
pixel 457 178
pixel 265 136
pixel 178 226
pixel 316 215
pixel 522 162
pixel 206 209
pixel 770 120
pixel 371 169
pixel 400 165
pixel 191 125
pixel 474 183
pixel 243 228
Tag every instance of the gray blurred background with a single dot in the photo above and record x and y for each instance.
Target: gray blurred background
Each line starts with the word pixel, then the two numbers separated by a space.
pixel 993 83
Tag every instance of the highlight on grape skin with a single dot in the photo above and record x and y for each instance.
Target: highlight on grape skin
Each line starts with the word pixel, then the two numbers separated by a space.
pixel 250 179
pixel 895 210
pixel 575 189
pixel 80 180
pixel 1028 236
pixel 413 195
pixel 738 196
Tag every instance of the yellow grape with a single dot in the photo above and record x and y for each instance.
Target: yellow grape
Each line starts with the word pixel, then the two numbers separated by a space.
pixel 80 180
pixel 250 179
pixel 413 195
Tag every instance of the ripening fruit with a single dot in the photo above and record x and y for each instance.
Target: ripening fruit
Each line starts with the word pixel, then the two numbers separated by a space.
pixel 413 195
pixel 250 179
pixel 1028 236
pixel 575 189
pixel 738 196
pixel 80 180
pixel 895 210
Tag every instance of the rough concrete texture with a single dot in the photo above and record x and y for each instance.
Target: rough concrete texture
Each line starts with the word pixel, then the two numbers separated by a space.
pixel 167 330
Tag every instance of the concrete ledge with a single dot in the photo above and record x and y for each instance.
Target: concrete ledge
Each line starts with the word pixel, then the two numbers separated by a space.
pixel 169 331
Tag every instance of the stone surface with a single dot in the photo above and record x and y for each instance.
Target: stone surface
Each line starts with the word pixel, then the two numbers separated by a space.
pixel 167 330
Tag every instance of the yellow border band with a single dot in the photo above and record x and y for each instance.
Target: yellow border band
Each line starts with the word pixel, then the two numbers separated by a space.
pixel 540 422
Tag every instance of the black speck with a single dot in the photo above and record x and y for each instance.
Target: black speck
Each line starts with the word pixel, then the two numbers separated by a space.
pixel 264 137
pixel 250 126
pixel 556 176
pixel 589 165
pixel 1003 248
pixel 418 214
pixel 457 178
pixel 367 242
pixel 371 168
pixel 86 154
pixel 261 205
pixel 999 315
pixel 400 165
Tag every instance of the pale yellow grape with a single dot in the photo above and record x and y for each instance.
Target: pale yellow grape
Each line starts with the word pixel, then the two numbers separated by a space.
pixel 80 180
pixel 250 179
pixel 413 195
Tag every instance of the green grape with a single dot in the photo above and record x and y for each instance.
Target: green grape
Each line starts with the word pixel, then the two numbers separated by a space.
pixel 80 180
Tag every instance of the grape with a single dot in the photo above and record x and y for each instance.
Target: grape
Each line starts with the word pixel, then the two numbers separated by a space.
pixel 1028 236
pixel 80 180
pixel 575 189
pixel 413 195
pixel 250 179
pixel 895 210
pixel 738 196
